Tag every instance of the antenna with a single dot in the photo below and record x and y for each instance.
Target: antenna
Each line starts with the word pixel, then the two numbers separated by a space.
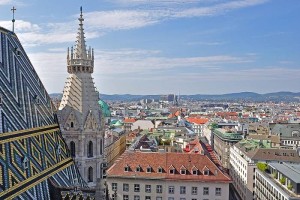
pixel 13 20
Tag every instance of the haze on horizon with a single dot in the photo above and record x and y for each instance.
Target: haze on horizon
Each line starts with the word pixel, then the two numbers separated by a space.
pixel 166 46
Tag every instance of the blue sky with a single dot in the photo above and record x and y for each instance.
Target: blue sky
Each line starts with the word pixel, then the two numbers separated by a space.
pixel 166 46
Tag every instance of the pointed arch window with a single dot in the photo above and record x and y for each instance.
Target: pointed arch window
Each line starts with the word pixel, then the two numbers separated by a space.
pixel 90 174
pixel 90 149
pixel 101 147
pixel 72 124
pixel 73 149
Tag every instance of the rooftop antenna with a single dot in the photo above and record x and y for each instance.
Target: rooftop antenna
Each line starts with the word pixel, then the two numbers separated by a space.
pixel 13 20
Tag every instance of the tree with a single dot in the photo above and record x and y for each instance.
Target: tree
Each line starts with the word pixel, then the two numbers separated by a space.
pixel 262 166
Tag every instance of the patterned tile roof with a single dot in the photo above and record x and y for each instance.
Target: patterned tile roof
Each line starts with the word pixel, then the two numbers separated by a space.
pixel 166 161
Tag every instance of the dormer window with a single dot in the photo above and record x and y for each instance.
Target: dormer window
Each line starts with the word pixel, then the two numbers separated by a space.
pixel 205 171
pixel 183 170
pixel 172 169
pixel 195 171
pixel 149 169
pixel 126 168
pixel 160 170
pixel 138 169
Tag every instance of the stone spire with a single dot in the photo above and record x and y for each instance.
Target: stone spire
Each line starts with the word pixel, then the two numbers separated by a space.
pixel 80 50
pixel 80 60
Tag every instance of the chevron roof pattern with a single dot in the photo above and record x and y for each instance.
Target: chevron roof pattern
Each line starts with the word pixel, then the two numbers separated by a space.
pixel 32 149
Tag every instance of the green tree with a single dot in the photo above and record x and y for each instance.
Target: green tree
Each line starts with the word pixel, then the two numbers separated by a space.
pixel 262 166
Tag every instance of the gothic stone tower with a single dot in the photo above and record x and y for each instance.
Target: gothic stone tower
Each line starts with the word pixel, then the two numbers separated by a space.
pixel 79 113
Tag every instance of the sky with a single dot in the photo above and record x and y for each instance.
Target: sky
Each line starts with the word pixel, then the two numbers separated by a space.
pixel 165 46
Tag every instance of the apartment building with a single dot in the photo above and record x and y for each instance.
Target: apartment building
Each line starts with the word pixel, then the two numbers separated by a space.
pixel 279 181
pixel 172 176
pixel 244 157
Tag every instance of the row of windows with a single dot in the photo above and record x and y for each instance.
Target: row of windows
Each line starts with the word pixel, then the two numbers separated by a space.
pixel 137 197
pixel 172 170
pixel 171 189
pixel 90 152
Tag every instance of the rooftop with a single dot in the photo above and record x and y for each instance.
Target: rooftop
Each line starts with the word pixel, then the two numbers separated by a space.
pixel 166 161
pixel 227 135
pixel 291 171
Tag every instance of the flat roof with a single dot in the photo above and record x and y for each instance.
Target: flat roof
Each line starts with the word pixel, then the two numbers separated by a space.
pixel 291 171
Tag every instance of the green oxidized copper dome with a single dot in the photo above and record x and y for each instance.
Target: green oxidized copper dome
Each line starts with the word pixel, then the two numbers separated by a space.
pixel 105 108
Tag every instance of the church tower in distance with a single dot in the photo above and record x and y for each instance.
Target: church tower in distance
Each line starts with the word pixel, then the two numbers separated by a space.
pixel 79 113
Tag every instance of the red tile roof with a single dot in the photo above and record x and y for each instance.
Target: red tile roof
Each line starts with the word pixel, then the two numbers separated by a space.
pixel 165 160
pixel 129 120
pixel 197 120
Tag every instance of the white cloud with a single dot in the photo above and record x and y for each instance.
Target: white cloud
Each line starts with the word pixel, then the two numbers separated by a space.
pixel 5 2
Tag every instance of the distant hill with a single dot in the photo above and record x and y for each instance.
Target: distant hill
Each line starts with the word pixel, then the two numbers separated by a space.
pixel 245 96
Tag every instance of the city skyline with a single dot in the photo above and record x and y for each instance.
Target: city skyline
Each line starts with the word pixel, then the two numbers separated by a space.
pixel 171 46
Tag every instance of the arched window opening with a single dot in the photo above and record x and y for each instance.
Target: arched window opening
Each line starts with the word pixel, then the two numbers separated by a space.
pixel 72 124
pixel 72 148
pixel 101 147
pixel 90 149
pixel 90 174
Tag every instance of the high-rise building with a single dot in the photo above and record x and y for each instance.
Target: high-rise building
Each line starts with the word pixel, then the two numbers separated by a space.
pixel 79 113
pixel 35 162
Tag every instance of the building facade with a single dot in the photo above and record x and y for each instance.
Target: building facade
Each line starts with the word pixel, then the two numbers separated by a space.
pixel 223 140
pixel 79 113
pixel 166 176
pixel 279 181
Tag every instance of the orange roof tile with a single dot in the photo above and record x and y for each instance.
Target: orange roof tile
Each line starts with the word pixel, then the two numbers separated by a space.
pixel 129 120
pixel 164 160
pixel 197 120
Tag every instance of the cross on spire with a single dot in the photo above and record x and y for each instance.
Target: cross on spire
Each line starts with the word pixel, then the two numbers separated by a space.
pixel 13 20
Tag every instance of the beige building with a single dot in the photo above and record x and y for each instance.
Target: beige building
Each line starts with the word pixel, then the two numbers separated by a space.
pixel 223 140
pixel 166 176
pixel 244 157
pixel 115 148
pixel 79 113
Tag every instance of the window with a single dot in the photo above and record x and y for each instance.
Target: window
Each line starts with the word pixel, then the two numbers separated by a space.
pixel 158 198
pixel 126 168
pixel 137 187
pixel 72 124
pixel 206 172
pixel 205 191
pixel 171 189
pixel 183 171
pixel 72 148
pixel 125 197
pixel 218 191
pixel 125 187
pixel 147 198
pixel 195 172
pixel 171 198
pixel 172 171
pixel 182 190
pixel 113 196
pixel 90 149
pixel 148 188
pixel 159 170
pixel 182 198
pixel 194 190
pixel 114 186
pixel 90 174
pixel 149 169
pixel 158 188
pixel 138 169
pixel 136 197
